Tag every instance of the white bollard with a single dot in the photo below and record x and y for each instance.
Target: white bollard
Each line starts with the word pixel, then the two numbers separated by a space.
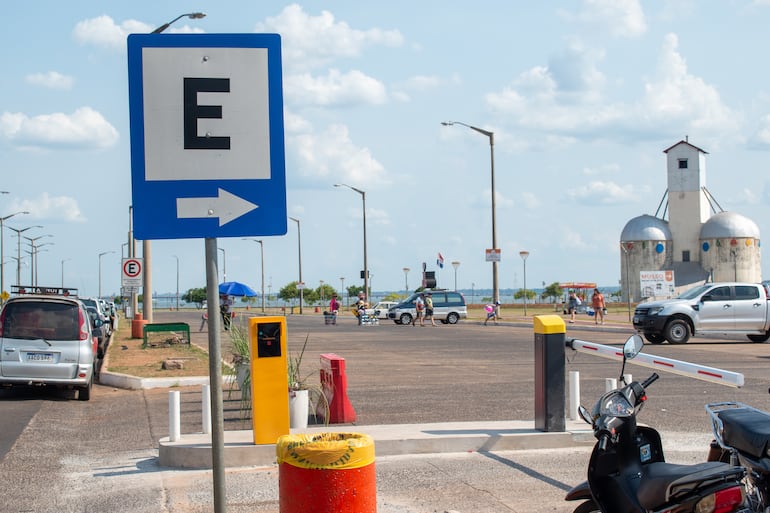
pixel 574 394
pixel 206 408
pixel 610 384
pixel 174 429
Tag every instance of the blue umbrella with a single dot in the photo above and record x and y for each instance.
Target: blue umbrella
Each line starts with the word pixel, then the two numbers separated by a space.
pixel 235 288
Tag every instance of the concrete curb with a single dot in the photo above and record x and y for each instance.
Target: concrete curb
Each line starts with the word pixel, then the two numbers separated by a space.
pixel 194 450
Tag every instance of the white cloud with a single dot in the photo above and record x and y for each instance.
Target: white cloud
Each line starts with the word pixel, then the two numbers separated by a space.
pixel 84 128
pixel 51 79
pixel 603 193
pixel 530 200
pixel 102 31
pixel 313 41
pixel 333 153
pixel 623 18
pixel 51 209
pixel 336 88
pixel 567 99
pixel 678 96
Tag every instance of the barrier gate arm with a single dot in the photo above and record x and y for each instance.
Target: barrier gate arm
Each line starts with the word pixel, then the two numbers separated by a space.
pixel 661 363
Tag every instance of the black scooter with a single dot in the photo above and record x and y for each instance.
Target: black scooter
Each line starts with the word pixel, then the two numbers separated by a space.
pixel 742 437
pixel 627 472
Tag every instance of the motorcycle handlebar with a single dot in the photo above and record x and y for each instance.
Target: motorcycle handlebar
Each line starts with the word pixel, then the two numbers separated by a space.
pixel 604 439
pixel 649 381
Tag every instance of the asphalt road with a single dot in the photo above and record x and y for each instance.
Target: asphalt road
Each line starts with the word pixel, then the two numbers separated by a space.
pixel 62 455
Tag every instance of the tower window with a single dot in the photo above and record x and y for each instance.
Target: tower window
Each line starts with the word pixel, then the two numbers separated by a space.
pixel 682 163
pixel 685 256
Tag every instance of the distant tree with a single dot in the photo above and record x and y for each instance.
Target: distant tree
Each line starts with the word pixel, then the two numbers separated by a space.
pixel 353 290
pixel 325 291
pixel 393 296
pixel 289 292
pixel 553 291
pixel 519 294
pixel 197 296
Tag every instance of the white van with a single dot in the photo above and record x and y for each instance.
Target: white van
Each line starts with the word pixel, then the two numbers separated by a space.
pixel 448 307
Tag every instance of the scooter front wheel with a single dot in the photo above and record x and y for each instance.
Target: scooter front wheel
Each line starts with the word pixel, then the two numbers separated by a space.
pixel 588 507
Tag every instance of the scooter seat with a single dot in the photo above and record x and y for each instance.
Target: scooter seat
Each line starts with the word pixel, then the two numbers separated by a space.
pixel 662 482
pixel 747 430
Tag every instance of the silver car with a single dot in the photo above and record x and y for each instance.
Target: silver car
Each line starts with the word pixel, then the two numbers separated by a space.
pixel 47 340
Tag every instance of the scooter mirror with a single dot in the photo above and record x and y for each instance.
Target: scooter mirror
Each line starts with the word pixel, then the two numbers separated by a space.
pixel 585 415
pixel 633 346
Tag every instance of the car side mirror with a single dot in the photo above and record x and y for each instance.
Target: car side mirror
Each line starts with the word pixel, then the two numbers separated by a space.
pixel 98 323
pixel 705 298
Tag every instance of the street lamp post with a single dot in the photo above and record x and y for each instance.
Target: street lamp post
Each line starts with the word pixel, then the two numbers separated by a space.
pixel 300 285
pixel 2 256
pixel 406 280
pixel 342 289
pixel 18 249
pixel 191 15
pixel 62 271
pixel 100 270
pixel 177 282
pixel 262 265
pixel 33 257
pixel 524 255
pixel 366 263
pixel 491 136
pixel 455 264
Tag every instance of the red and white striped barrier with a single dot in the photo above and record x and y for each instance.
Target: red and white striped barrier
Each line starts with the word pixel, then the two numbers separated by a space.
pixel 661 363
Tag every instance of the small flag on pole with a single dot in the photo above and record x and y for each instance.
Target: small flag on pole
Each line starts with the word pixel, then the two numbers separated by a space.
pixel 440 261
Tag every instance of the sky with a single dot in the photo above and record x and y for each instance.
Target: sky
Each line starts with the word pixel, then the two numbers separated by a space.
pixel 582 96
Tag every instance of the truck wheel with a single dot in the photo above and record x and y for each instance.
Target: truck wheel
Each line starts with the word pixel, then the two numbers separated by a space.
pixel 654 338
pixel 677 331
pixel 759 338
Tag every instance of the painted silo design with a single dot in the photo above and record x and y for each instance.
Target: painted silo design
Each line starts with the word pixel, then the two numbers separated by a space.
pixel 645 244
pixel 699 242
pixel 730 248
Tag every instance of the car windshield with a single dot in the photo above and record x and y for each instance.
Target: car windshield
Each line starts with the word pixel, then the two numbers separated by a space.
pixel 47 320
pixel 693 293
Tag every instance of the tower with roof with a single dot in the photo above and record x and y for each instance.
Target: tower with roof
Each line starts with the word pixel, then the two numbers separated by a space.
pixel 698 242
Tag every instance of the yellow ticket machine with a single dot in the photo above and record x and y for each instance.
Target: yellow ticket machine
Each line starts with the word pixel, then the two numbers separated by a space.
pixel 269 379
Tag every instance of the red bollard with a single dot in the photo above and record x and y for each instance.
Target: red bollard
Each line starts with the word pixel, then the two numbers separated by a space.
pixel 335 387
pixel 137 326
pixel 326 473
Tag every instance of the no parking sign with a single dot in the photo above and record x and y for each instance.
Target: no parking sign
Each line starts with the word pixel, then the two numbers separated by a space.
pixel 132 273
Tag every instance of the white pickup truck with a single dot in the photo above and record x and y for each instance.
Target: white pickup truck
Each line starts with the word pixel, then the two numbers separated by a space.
pixel 721 308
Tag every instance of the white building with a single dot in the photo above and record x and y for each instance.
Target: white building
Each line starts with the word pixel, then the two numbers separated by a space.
pixel 699 241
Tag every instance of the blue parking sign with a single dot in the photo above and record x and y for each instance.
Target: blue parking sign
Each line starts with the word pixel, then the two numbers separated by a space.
pixel 207 141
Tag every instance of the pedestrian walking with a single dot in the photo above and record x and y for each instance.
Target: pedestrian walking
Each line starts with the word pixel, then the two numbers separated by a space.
pixel 572 303
pixel 419 309
pixel 491 310
pixel 597 301
pixel 429 308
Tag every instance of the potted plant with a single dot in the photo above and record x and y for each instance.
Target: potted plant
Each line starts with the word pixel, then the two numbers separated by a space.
pixel 301 392
pixel 241 361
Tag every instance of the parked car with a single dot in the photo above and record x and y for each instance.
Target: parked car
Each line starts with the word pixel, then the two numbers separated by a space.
pixel 103 316
pixel 380 310
pixel 99 330
pixel 717 308
pixel 448 307
pixel 47 340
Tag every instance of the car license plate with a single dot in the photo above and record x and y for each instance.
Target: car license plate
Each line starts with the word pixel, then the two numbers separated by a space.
pixel 39 357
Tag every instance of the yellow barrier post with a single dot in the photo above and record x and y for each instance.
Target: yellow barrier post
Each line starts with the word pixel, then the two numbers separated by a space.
pixel 269 379
pixel 550 335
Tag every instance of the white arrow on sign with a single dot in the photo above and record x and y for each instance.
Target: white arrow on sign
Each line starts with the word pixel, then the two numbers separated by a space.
pixel 226 206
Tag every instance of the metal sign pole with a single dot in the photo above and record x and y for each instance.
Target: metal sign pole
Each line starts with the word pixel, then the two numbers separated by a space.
pixel 215 378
